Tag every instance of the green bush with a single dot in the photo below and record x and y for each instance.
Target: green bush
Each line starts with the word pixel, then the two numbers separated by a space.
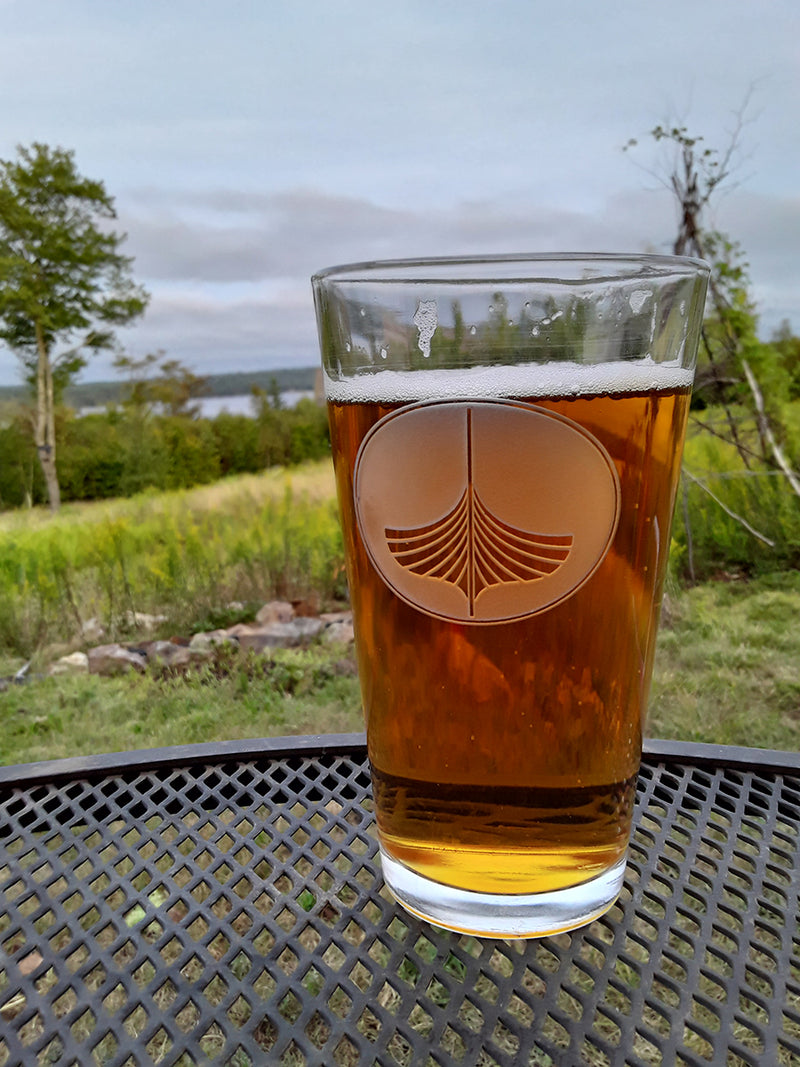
pixel 723 527
pixel 122 452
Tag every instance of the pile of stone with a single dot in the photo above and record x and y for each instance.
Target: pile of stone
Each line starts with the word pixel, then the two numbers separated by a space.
pixel 277 625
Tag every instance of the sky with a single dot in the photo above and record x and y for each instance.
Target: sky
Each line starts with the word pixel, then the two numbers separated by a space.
pixel 248 143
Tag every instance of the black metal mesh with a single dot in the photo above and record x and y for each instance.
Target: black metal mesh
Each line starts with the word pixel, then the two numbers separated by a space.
pixel 235 914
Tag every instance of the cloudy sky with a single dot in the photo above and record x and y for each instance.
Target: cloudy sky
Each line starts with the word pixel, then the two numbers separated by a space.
pixel 248 143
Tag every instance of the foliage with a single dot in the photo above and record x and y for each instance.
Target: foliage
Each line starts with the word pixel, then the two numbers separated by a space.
pixel 725 672
pixel 125 451
pixel 719 533
pixel 291 691
pixel 63 279
pixel 180 554
pixel 726 669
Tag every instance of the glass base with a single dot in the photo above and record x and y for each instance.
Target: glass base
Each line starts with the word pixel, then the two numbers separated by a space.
pixel 502 914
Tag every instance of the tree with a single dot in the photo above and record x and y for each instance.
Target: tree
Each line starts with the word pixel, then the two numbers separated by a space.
pixel 64 283
pixel 729 339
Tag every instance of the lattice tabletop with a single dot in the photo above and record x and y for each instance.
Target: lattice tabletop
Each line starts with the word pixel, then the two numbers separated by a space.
pixel 228 907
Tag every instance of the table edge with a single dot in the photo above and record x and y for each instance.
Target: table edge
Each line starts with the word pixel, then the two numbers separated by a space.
pixel 309 745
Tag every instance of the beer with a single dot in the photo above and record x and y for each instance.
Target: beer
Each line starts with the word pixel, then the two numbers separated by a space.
pixel 504 722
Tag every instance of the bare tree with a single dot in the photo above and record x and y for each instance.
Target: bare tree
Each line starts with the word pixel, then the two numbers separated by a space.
pixel 697 174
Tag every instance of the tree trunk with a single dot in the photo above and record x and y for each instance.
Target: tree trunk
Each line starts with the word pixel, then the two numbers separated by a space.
pixel 45 432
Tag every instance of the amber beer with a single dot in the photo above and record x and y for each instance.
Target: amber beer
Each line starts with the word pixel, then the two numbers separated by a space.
pixel 504 753
pixel 506 436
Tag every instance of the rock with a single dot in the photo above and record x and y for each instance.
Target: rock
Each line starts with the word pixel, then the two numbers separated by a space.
pixel 74 663
pixel 168 653
pixel 204 642
pixel 308 607
pixel 339 633
pixel 114 659
pixel 275 611
pixel 337 616
pixel 308 626
pixel 92 631
pixel 280 634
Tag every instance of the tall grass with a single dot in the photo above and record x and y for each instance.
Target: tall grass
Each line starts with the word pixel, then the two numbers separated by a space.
pixel 183 554
pixel 731 518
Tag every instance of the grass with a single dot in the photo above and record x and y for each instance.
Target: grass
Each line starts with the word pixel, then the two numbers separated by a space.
pixel 727 667
pixel 236 697
pixel 727 671
pixel 181 554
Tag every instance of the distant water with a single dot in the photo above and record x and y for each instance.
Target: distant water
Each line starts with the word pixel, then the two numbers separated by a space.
pixel 211 406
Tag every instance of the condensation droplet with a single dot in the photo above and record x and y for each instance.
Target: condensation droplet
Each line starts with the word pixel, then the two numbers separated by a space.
pixel 473 330
pixel 384 353
pixel 527 304
pixel 362 312
pixel 535 331
pixel 510 322
pixel 683 307
pixel 491 307
pixel 546 322
pixel 556 315
pixel 347 346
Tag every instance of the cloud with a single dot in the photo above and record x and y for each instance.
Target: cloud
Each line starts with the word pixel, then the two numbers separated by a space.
pixel 229 271
pixel 233 237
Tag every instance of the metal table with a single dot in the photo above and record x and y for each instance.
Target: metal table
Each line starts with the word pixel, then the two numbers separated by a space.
pixel 224 904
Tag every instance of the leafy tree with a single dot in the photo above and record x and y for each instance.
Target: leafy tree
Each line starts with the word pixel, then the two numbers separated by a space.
pixel 64 283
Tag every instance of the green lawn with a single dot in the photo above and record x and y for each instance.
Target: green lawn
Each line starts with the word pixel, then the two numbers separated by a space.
pixel 727 671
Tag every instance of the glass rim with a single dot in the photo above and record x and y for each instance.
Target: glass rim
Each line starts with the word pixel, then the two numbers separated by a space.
pixel 443 270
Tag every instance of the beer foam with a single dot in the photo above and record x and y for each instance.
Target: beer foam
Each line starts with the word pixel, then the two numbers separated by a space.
pixel 527 380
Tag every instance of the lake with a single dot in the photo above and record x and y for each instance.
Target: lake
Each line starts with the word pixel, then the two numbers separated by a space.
pixel 240 404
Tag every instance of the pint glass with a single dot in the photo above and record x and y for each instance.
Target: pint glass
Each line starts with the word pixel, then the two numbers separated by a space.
pixel 506 437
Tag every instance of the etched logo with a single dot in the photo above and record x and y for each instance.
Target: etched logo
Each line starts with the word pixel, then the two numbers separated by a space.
pixel 484 511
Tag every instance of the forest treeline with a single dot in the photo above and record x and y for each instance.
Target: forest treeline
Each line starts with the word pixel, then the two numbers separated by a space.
pixel 131 448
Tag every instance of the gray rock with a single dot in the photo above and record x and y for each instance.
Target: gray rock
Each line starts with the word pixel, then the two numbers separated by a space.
pixel 280 634
pixel 109 660
pixel 204 642
pixel 169 654
pixel 339 633
pixel 307 626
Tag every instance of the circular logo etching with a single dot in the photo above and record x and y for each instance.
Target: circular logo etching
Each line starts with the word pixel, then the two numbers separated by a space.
pixel 484 511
